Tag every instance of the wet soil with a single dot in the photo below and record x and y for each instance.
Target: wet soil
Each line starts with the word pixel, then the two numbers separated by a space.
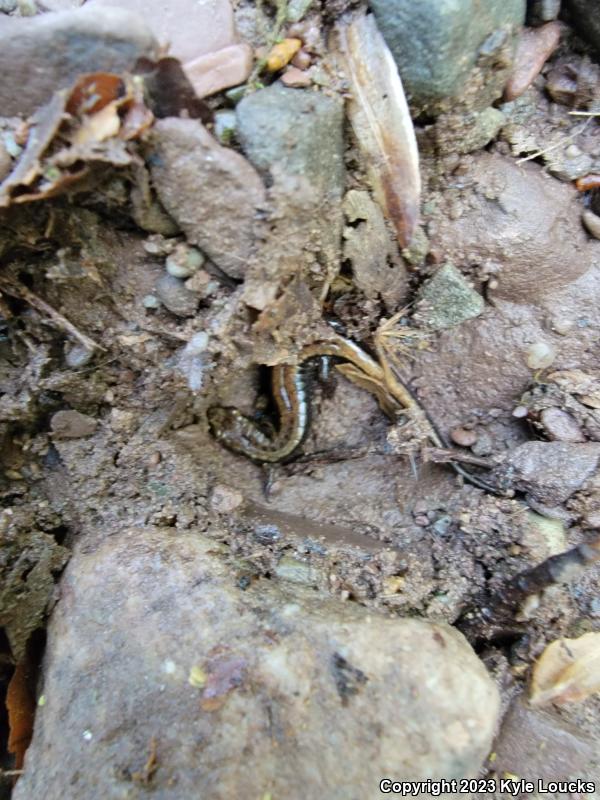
pixel 350 515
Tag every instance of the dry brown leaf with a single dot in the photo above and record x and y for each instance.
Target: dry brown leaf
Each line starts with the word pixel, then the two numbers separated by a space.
pixel 99 126
pixel 381 121
pixel 567 671
pixel 20 704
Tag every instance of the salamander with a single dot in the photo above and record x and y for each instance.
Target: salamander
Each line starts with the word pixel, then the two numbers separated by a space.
pixel 291 394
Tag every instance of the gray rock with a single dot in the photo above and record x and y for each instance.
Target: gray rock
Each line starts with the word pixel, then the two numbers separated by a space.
pixel 299 131
pixel 295 139
pixel 6 6
pixel 585 17
pixel 71 424
pixel 437 43
pixel 540 11
pixel 212 192
pixel 552 471
pixel 173 295
pixel 247 693
pixel 447 299
pixel 54 49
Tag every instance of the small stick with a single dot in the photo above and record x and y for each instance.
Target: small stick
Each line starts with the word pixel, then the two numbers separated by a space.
pixel 23 293
pixel 497 614
pixel 440 455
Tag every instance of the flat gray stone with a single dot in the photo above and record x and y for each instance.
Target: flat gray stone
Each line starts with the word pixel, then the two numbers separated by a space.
pixel 446 299
pixel 274 690
pixel 41 54
pixel 436 43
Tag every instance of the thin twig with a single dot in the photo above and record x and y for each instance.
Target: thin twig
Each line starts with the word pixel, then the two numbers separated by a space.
pixel 440 455
pixel 23 293
pixel 554 146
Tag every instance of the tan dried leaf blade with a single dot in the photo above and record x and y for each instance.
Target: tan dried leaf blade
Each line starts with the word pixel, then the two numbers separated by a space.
pixel 381 122
pixel 567 671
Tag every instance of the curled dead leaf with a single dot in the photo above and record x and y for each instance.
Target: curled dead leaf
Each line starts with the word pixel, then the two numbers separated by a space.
pixel 72 138
pixel 381 121
pixel 567 671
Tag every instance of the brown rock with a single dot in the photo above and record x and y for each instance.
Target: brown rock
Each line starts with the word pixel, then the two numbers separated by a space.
pixel 212 192
pixel 318 691
pixel 535 47
pixel 295 78
pixel 535 745
pixel 561 426
pixel 213 72
pixel 70 424
pixel 463 437
pixel 190 29
pixel 224 500
pixel 516 217
pixel 55 48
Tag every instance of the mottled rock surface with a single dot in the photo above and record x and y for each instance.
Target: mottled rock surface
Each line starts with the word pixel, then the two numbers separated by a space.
pixel 446 299
pixel 295 140
pixel 213 193
pixel 53 49
pixel 269 691
pixel 437 43
pixel 521 224
pixel 552 471
pixel 534 744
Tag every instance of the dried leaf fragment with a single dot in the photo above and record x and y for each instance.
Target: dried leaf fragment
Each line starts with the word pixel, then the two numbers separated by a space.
pixel 381 121
pixel 567 671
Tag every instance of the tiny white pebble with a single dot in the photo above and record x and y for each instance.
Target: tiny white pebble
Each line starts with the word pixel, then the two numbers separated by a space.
pixel 540 355
pixel 169 666
pixel 88 736
pixel 150 301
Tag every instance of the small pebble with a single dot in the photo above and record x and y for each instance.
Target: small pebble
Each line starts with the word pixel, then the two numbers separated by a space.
pixel 225 125
pixel 71 424
pixel 6 6
pixel 225 500
pixel 561 426
pixel 184 261
pixel 267 534
pixel 534 48
pixel 591 222
pixel 174 296
pixel 295 78
pixel 78 356
pixel 302 60
pixel 572 151
pixel 421 520
pixel 562 326
pixel 154 459
pixel 520 412
pixel 150 301
pixel 282 53
pixel 199 283
pixel 540 355
pixel 484 445
pixel 463 437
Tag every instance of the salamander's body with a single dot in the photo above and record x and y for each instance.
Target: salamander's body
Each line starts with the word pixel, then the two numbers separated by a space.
pixel 291 394
pixel 289 385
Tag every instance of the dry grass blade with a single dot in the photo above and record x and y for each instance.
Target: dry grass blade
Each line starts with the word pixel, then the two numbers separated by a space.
pixel 381 122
